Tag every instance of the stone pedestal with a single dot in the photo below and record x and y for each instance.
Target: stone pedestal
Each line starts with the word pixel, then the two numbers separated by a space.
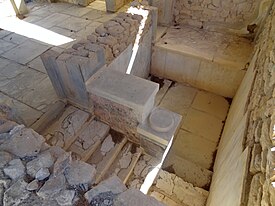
pixel 158 130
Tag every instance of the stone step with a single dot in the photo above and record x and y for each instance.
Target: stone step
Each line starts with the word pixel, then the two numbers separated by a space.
pixel 187 54
pixel 169 187
pixel 125 162
pixel 105 155
pixel 66 129
pixel 90 139
pixel 188 171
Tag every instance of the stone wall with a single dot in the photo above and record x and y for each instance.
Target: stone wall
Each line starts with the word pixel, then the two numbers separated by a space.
pixel 244 167
pixel 235 14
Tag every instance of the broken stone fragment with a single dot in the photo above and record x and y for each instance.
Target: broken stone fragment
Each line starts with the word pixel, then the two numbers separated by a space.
pixel 33 185
pixel 5 157
pixel 125 161
pixel 44 160
pixel 112 184
pixel 110 24
pixel 80 174
pixel 15 169
pixel 16 193
pixel 93 47
pixel 62 163
pixel 108 40
pixel 52 186
pixel 101 30
pixel 115 30
pixel 24 142
pixel 107 145
pixel 92 38
pixel 66 197
pixel 42 174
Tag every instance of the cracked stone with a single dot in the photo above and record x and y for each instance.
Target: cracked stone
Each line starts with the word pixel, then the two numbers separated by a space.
pixel 125 161
pixel 107 145
pixel 112 184
pixel 15 169
pixel 52 187
pixel 139 167
pixel 44 160
pixel 24 142
pixel 33 185
pixel 16 193
pixel 65 197
pixel 5 157
pixel 80 173
pixel 42 174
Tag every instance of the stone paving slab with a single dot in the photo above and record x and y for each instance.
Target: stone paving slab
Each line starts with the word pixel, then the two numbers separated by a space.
pixel 52 20
pixel 77 11
pixel 25 52
pixel 37 64
pixel 15 38
pixel 74 23
pixel 5 46
pixel 28 114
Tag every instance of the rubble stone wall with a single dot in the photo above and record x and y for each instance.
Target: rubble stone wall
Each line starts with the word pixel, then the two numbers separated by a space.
pixel 235 14
pixel 244 167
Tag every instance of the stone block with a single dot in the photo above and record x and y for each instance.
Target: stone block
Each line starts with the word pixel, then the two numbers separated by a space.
pixel 188 171
pixel 194 148
pixel 122 100
pixel 212 104
pixel 203 124
pixel 114 5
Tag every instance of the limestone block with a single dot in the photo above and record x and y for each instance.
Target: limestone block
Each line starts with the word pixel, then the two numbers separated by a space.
pixel 210 127
pixel 178 99
pixel 188 171
pixel 211 104
pixel 189 195
pixel 194 148
pixel 134 101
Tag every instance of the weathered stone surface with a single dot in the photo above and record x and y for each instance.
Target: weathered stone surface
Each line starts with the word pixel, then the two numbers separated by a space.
pixel 80 173
pixel 42 174
pixel 112 185
pixel 44 160
pixel 66 197
pixel 33 185
pixel 5 157
pixel 107 145
pixel 16 193
pixel 15 169
pixel 52 187
pixel 135 198
pixel 24 142
pixel 62 163
pixel 103 199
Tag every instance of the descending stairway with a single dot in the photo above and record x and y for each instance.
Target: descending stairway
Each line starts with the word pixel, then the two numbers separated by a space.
pixel 96 143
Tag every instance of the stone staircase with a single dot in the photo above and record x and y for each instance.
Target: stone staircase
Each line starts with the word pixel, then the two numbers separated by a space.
pixel 94 142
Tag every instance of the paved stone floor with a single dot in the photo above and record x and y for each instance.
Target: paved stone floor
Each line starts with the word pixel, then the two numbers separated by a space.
pixel 24 83
pixel 203 114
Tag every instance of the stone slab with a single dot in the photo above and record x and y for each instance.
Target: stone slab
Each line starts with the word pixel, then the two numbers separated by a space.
pixel 128 90
pixel 212 104
pixel 178 99
pixel 188 171
pixel 37 64
pixel 74 23
pixel 27 113
pixel 52 20
pixel 25 52
pixel 6 46
pixel 203 124
pixel 195 149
